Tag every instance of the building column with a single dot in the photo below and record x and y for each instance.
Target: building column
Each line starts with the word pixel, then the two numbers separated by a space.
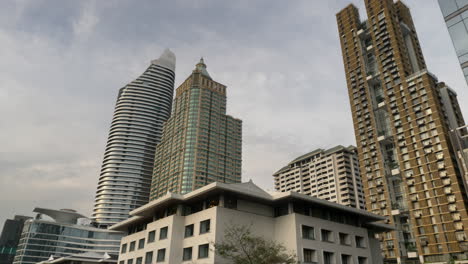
pixel 290 208
pixel 221 200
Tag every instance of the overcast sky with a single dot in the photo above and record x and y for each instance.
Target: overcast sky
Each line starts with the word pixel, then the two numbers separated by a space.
pixel 62 63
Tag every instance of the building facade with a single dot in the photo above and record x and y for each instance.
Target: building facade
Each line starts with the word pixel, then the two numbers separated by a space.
pixel 331 174
pixel 9 238
pixel 180 228
pixel 141 109
pixel 200 143
pixel 66 234
pixel 406 157
pixel 455 13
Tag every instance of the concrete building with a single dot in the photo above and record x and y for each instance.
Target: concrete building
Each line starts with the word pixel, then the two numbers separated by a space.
pixel 200 143
pixel 180 228
pixel 67 233
pixel 141 109
pixel 402 128
pixel 331 174
pixel 455 13
pixel 9 238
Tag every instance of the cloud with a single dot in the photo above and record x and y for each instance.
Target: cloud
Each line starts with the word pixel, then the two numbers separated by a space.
pixel 86 22
pixel 64 61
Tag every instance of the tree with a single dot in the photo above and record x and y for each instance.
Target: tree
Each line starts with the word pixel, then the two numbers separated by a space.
pixel 242 247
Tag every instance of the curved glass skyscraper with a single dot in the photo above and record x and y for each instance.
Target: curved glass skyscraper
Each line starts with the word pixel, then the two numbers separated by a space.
pixel 142 107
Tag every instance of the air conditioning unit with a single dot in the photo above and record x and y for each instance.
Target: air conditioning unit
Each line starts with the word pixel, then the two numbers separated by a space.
pixel 417 214
pixel 451 199
pixel 414 198
pixel 424 242
pixel 447 182
pixel 448 190
pixel 456 217
pixel 410 182
pixel 459 226
pixel 452 208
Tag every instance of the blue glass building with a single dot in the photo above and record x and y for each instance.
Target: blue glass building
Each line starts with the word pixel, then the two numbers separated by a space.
pixel 456 17
pixel 68 233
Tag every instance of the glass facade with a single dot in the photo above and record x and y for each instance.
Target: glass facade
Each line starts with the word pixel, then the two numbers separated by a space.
pixel 200 143
pixel 455 13
pixel 41 239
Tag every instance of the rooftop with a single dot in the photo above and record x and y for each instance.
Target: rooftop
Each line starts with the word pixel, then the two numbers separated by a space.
pixel 248 190
pixel 313 153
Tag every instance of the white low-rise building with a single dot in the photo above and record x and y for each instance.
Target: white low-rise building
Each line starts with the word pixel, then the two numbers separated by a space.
pixel 182 228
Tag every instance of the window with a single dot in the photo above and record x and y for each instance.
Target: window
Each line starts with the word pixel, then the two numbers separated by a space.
pixel 189 230
pixel 130 261
pixel 308 232
pixel 151 236
pixel 328 258
pixel 327 235
pixel 149 257
pixel 205 226
pixel 132 246
pixel 141 243
pixel 344 239
pixel 161 255
pixel 203 251
pixel 448 6
pixel 121 262
pixel 345 259
pixel 124 248
pixel 187 254
pixel 310 256
pixel 360 242
pixel 362 260
pixel 139 260
pixel 163 233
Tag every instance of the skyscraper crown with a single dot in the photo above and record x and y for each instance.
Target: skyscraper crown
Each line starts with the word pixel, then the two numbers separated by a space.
pixel 201 68
pixel 166 60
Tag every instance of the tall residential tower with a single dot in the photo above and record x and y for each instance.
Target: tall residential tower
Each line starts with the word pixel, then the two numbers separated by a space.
pixel 331 174
pixel 408 165
pixel 200 143
pixel 141 109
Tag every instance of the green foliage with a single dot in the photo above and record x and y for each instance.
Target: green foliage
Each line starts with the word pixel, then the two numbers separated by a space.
pixel 242 247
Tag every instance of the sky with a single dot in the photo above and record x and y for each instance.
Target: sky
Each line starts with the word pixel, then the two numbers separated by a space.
pixel 62 63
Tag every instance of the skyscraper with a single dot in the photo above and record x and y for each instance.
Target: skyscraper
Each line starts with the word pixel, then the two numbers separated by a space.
pixel 331 174
pixel 456 17
pixel 408 165
pixel 200 143
pixel 141 109
pixel 9 238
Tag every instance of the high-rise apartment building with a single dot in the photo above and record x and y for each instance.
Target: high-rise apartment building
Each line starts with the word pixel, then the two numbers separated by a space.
pixel 455 13
pixel 200 143
pixel 141 109
pixel 409 168
pixel 331 174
